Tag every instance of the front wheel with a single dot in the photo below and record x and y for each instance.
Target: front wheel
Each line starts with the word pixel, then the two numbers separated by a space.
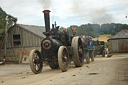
pixel 87 57
pixel 91 54
pixel 63 58
pixel 35 61
pixel 103 54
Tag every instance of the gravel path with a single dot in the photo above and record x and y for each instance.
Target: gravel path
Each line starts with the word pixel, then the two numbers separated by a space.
pixel 104 71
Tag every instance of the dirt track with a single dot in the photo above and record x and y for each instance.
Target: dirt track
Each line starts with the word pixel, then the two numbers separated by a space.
pixel 104 71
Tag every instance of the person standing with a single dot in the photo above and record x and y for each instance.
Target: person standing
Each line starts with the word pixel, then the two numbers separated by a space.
pixel 64 36
pixel 90 41
pixel 81 37
pixel 84 38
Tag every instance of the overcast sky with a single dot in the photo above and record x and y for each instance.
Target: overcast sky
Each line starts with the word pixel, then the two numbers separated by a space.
pixel 67 12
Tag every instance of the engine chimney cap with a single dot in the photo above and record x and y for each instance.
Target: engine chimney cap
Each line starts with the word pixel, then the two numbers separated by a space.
pixel 46 11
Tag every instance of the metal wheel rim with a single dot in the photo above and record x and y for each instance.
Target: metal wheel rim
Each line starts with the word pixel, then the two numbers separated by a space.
pixel 77 51
pixel 65 54
pixel 80 51
pixel 36 63
pixel 63 58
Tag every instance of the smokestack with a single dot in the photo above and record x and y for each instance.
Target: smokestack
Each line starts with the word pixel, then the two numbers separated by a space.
pixel 47 20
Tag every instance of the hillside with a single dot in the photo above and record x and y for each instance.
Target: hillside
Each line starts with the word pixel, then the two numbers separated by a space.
pixel 103 37
pixel 95 30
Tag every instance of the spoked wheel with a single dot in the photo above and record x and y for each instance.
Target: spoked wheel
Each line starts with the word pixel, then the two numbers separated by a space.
pixel 36 62
pixel 91 54
pixel 103 54
pixel 53 64
pixel 77 51
pixel 87 58
pixel 63 58
pixel 92 59
pixel 95 53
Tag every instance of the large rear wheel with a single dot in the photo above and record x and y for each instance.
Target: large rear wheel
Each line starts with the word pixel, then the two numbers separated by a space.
pixel 35 61
pixel 77 51
pixel 63 58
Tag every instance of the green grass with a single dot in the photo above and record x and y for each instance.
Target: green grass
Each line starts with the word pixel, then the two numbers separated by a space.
pixel 103 37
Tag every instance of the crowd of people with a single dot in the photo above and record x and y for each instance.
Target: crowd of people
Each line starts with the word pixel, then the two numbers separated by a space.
pixel 87 40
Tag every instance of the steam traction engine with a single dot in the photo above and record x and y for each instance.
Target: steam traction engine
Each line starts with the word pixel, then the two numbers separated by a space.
pixel 57 49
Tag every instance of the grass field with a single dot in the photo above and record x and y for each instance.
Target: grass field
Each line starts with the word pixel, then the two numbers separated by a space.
pixel 103 37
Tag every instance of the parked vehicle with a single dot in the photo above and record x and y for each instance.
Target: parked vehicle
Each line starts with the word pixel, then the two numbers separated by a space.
pixel 99 48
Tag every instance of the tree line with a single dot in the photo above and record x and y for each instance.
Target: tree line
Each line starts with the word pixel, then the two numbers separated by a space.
pixel 95 30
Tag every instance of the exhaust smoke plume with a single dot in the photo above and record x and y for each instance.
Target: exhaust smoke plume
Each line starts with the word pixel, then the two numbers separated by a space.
pixel 84 9
pixel 100 16
pixel 77 7
pixel 45 3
